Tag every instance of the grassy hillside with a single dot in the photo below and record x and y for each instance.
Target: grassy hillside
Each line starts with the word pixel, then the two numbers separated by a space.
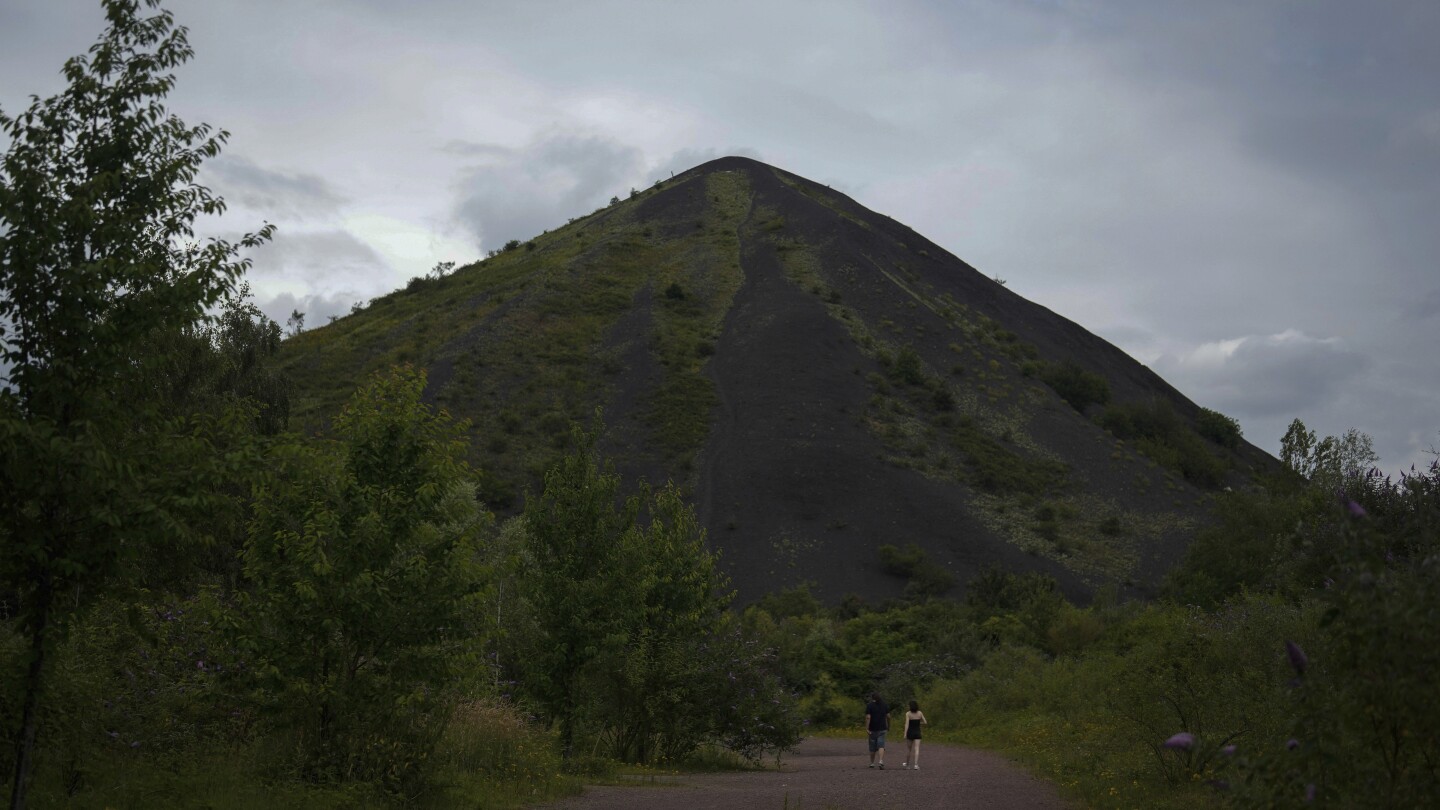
pixel 821 380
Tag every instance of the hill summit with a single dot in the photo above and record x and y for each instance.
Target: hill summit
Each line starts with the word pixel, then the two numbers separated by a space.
pixel 847 404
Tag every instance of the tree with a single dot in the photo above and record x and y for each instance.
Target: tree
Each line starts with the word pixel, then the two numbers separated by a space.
pixel 218 363
pixel 655 700
pixel 631 630
pixel 295 324
pixel 1332 461
pixel 1346 457
pixel 1296 448
pixel 361 558
pixel 98 202
pixel 577 540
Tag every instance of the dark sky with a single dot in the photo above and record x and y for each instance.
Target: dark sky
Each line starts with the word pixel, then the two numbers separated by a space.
pixel 1242 195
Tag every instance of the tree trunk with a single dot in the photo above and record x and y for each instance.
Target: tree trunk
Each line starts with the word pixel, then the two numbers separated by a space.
pixel 567 737
pixel 29 722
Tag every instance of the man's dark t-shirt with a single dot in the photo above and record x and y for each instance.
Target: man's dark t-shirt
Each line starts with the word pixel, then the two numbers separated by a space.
pixel 879 715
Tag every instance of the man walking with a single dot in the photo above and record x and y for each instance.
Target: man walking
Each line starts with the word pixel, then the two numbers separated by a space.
pixel 877 722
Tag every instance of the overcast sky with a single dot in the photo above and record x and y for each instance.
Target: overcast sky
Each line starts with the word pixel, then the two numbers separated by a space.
pixel 1243 195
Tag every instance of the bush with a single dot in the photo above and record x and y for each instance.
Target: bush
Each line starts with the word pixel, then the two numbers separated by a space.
pixel 907 367
pixel 1075 385
pixel 491 749
pixel 1364 729
pixel 825 707
pixel 942 399
pixel 1218 428
pixel 1159 433
pixel 1073 630
pixel 901 562
pixel 926 578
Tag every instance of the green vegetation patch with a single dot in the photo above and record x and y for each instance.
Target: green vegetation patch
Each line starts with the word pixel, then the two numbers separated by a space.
pixel 925 577
pixel 1075 385
pixel 1158 432
pixel 699 286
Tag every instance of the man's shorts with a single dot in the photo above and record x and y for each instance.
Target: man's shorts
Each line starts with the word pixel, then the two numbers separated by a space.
pixel 877 741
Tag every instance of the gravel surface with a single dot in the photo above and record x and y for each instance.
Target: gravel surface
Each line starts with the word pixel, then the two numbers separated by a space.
pixel 826 774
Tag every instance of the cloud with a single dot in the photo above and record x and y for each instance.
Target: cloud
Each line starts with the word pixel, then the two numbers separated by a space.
pixel 517 193
pixel 275 195
pixel 1264 375
pixel 325 263
pixel 317 309
pixel 1424 306
pixel 463 148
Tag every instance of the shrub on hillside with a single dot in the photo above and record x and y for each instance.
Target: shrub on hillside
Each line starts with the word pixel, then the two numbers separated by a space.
pixel 1161 434
pixel 994 468
pixel 926 578
pixel 1075 385
pixel 1014 608
pixel 907 367
pixel 1218 428
pixel 1241 548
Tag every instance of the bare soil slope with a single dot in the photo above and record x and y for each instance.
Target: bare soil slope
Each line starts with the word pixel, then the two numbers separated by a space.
pixel 819 378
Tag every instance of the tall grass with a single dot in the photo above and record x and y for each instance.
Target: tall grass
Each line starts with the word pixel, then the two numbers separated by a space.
pixel 490 758
pixel 1094 721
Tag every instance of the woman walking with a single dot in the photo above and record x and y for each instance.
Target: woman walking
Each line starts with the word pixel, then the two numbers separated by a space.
pixel 913 720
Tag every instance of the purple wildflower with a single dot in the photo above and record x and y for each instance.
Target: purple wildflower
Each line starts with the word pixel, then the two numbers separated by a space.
pixel 1292 743
pixel 1356 510
pixel 1310 792
pixel 1184 741
pixel 1297 657
pixel 1228 750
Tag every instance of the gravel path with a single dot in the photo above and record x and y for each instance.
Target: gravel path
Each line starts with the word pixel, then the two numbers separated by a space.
pixel 831 774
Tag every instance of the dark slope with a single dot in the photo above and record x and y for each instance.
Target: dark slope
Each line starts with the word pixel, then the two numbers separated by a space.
pixel 822 379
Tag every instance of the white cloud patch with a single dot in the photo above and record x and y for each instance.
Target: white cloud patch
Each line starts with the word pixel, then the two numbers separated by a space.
pixel 1263 375
pixel 275 195
pixel 317 310
pixel 517 193
pixel 326 264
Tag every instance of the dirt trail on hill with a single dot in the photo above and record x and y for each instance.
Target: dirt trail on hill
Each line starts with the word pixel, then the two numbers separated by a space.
pixel 826 774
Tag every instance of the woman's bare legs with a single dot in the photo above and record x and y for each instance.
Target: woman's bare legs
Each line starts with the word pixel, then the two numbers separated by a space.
pixel 914 754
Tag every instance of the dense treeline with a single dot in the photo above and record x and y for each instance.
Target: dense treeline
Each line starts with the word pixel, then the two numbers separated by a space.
pixel 197 603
